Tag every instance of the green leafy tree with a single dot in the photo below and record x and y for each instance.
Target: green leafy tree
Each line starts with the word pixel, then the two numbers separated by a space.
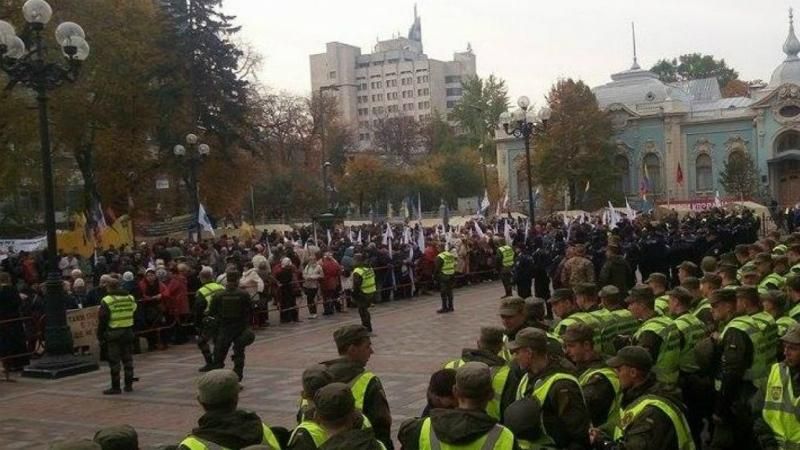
pixel 576 147
pixel 694 66
pixel 478 111
pixel 399 136
pixel 740 176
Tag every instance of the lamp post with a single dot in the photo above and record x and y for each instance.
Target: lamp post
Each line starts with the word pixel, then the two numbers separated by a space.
pixel 25 63
pixel 194 155
pixel 326 186
pixel 522 124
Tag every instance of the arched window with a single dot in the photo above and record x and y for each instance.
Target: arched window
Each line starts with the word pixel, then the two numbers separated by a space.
pixel 653 170
pixel 789 140
pixel 703 174
pixel 623 174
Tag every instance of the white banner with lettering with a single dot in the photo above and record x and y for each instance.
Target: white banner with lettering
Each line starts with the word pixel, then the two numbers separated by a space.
pixel 22 245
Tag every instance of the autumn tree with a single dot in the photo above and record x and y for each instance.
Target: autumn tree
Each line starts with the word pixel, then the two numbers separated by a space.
pixel 740 176
pixel 694 66
pixel 365 182
pixel 478 111
pixel 437 136
pixel 398 136
pixel 576 147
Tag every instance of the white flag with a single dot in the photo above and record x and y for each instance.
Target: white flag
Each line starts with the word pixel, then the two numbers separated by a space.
pixel 629 211
pixel 505 199
pixel 507 232
pixel 359 236
pixel 478 230
pixel 329 236
pixel 484 203
pixel 205 222
pixel 717 202
pixel 421 240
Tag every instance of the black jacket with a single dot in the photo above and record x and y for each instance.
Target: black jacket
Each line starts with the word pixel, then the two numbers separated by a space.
pixel 452 426
pixel 233 430
pixel 510 389
pixel 651 429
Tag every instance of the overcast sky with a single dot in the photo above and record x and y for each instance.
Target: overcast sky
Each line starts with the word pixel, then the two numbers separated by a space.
pixel 529 43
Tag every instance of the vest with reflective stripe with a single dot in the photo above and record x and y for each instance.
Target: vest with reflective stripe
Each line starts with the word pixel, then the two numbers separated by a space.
pixel 540 390
pixel 604 318
pixel 508 255
pixel 120 309
pixel 794 313
pixel 784 323
pixel 769 330
pixel 498 438
pixel 367 279
pixel 666 364
pixel 209 291
pixel 701 306
pixel 317 433
pixel 746 324
pixel 612 419
pixel 795 268
pixel 505 353
pixel 677 418
pixel 578 317
pixel 782 408
pixel 358 386
pixel 624 324
pixel 662 305
pixel 692 330
pixel 448 263
pixel 195 443
pixel 772 281
pixel 499 378
pixel 741 270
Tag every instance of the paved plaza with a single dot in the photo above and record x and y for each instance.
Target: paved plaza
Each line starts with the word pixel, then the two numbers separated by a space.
pixel 411 342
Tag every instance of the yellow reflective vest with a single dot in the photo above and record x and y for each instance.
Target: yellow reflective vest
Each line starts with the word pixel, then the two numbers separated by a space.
pixel 629 414
pixel 317 433
pixel 209 291
pixel 692 330
pixel 508 256
pixel 781 410
pixel 612 419
pixel 120 309
pixel 367 276
pixel 540 390
pixel 195 443
pixel 666 364
pixel 499 378
pixel 448 263
pixel 498 438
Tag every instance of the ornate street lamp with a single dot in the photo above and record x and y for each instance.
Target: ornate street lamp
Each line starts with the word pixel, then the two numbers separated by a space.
pixel 521 123
pixel 195 155
pixel 25 63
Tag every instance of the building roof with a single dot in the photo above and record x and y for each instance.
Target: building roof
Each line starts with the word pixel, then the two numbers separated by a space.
pixel 637 87
pixel 703 90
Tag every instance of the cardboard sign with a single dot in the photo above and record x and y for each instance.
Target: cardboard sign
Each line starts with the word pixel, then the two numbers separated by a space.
pixel 83 324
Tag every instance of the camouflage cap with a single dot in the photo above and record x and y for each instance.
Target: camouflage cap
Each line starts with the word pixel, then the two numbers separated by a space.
pixel 641 293
pixel 632 356
pixel 609 291
pixel 688 266
pixel 658 278
pixel 562 294
pixel 682 294
pixel 690 283
pixel 792 336
pixel 533 338
pixel 492 336
pixel 708 264
pixel 474 380
pixel 722 295
pixel 122 437
pixel 217 387
pixel 334 401
pixel 586 289
pixel 349 335
pixel 511 306
pixel 315 378
pixel 76 444
pixel 578 332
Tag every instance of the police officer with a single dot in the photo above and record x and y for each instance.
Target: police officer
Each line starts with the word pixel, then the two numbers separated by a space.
pixel 774 303
pixel 623 325
pixel 222 424
pixel 446 270
pixel 364 289
pixel 205 328
pixel 600 384
pixel 231 309
pixel 115 330
pixel 505 265
pixel 564 306
pixel 657 334
pixel 354 346
pixel 769 279
pixel 340 421
pixel 565 418
pixel 658 283
pixel 468 427
pixel 652 416
pixel 734 379
pixel 504 381
pixel 777 425
pixel 694 385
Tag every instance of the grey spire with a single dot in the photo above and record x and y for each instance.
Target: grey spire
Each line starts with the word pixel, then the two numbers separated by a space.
pixel 635 65
pixel 415 32
pixel 792 46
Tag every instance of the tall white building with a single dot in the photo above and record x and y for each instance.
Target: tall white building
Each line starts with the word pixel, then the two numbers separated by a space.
pixel 396 79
